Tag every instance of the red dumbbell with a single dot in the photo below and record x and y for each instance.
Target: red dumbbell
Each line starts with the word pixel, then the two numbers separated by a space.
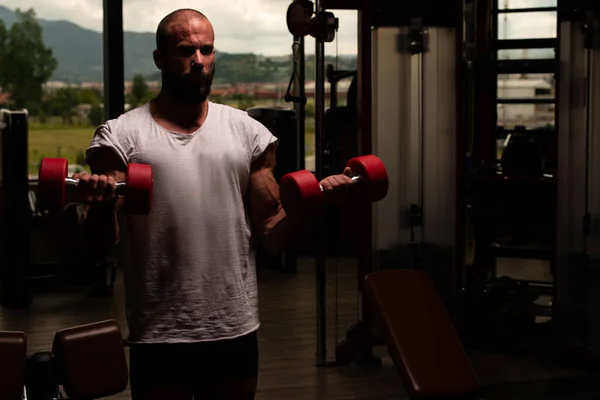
pixel 302 195
pixel 137 190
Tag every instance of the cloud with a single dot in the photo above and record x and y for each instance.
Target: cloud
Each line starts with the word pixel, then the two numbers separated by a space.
pixel 241 26
pixel 254 25
pixel 85 13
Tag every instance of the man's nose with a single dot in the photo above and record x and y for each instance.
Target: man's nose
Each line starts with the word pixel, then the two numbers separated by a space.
pixel 198 59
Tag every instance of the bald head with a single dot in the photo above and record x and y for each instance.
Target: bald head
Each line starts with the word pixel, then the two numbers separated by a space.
pixel 164 32
pixel 185 55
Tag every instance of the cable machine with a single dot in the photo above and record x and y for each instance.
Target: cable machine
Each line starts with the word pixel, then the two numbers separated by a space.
pixel 577 292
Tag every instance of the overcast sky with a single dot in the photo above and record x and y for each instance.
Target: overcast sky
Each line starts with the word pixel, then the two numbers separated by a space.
pixel 252 25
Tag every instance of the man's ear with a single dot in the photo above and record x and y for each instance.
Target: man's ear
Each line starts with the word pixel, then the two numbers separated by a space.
pixel 158 59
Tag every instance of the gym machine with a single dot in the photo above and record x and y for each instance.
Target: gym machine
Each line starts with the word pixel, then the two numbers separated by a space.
pixel 305 18
pixel 415 52
pixel 421 72
pixel 334 76
pixel 32 208
pixel 15 211
pixel 508 197
pixel 577 282
pixel 411 309
pixel 87 361
pixel 415 90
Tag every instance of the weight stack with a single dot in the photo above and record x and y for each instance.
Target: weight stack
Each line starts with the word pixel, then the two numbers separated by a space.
pixel 281 122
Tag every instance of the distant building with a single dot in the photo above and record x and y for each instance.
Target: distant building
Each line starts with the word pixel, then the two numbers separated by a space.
pixel 526 114
pixel 152 85
pixel 260 90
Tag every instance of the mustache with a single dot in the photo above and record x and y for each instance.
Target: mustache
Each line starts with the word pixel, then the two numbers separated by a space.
pixel 201 72
pixel 199 76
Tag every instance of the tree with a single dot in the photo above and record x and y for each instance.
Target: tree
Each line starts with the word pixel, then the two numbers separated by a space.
pixel 25 62
pixel 91 96
pixel 139 90
pixel 62 102
pixel 96 115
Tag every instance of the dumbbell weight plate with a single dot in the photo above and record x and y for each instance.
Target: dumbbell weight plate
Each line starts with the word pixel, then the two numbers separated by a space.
pixel 139 190
pixel 300 194
pixel 51 183
pixel 373 175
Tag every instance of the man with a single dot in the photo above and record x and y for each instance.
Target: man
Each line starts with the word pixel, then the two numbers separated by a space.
pixel 190 279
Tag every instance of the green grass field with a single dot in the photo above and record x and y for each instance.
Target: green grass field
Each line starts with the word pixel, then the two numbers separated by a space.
pixel 71 142
pixel 66 142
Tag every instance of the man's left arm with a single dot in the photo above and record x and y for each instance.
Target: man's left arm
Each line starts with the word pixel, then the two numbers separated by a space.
pixel 269 221
pixel 274 228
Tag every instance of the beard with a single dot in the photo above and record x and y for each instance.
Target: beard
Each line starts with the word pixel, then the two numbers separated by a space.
pixel 192 88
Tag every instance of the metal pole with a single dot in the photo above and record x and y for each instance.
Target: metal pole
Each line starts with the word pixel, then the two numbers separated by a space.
pixel 114 74
pixel 300 107
pixel 319 148
pixel 290 255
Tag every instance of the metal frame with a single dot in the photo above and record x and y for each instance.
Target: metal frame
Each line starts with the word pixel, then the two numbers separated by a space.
pixel 592 221
pixel 299 92
pixel 531 66
pixel 365 146
pixel 484 87
pixel 416 94
pixel 363 213
pixel 578 247
pixel 540 66
pixel 15 235
pixel 395 109
pixel 114 59
pixel 321 258
pixel 484 170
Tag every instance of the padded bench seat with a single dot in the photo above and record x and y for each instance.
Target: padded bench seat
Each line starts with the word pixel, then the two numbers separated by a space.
pixel 13 356
pixel 419 335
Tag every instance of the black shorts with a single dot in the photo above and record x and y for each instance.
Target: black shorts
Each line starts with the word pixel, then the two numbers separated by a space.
pixel 192 364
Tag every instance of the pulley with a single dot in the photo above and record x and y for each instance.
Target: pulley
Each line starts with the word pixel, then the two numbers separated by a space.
pixel 302 21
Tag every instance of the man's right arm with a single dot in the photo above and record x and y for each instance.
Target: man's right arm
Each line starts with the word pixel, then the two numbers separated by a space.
pixel 97 191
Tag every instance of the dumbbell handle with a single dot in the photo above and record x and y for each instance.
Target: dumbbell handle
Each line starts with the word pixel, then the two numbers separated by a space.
pixel 355 178
pixel 74 182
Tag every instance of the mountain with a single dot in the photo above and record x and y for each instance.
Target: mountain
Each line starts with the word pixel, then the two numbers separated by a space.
pixel 79 55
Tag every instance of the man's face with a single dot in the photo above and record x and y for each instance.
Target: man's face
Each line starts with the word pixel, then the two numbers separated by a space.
pixel 188 61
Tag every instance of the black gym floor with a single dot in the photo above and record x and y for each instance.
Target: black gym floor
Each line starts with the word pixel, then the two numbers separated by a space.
pixel 287 340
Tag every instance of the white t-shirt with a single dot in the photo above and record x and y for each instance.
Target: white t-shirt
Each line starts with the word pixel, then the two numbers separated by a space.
pixel 189 266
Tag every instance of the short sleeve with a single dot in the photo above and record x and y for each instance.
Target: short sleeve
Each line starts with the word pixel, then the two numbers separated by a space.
pixel 105 137
pixel 261 139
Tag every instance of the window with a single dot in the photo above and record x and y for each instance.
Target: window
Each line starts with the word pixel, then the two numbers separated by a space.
pixel 525 40
pixel 254 56
pixel 255 65
pixel 526 54
pixel 532 87
pixel 521 4
pixel 527 25
pixel 63 89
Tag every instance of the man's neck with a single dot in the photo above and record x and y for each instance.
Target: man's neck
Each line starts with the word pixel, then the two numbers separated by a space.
pixel 164 106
